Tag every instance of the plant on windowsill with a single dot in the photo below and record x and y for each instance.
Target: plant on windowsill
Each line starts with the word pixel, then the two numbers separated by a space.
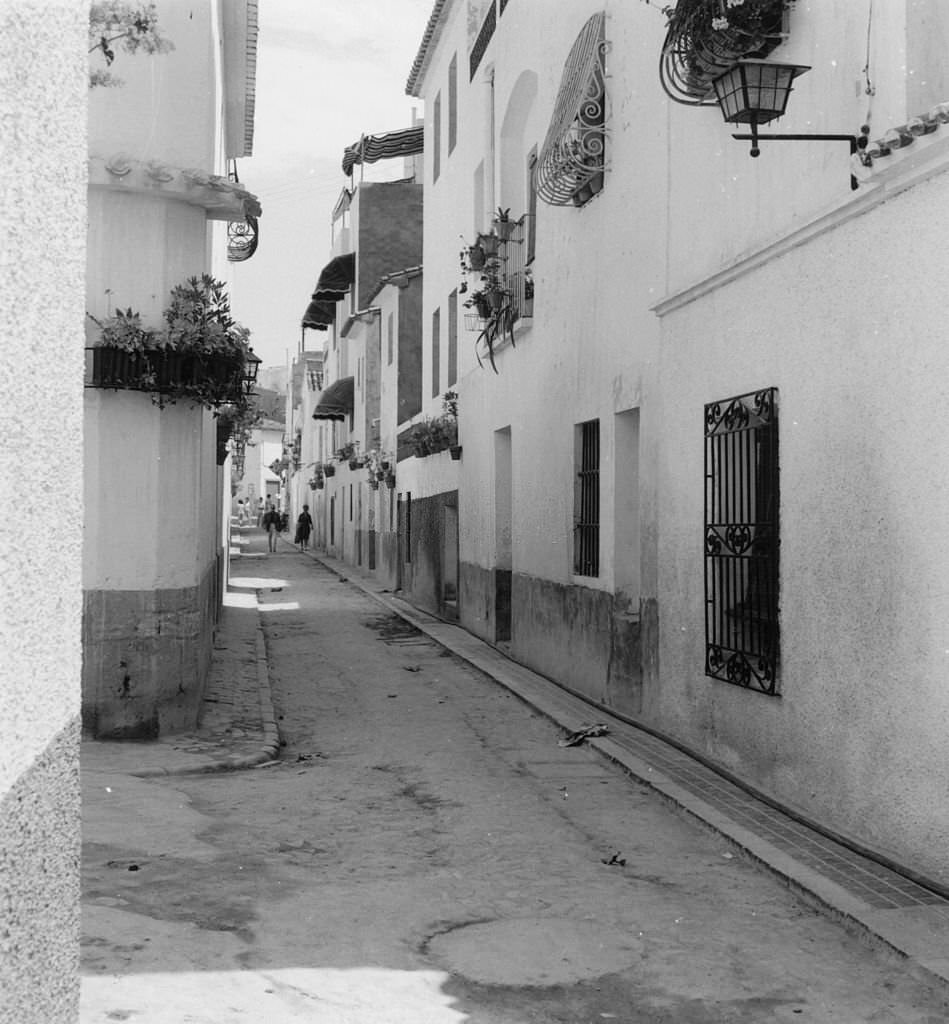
pixel 329 469
pixel 450 420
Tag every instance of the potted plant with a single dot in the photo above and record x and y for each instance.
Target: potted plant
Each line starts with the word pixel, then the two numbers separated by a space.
pixel 329 469
pixel 479 302
pixel 503 224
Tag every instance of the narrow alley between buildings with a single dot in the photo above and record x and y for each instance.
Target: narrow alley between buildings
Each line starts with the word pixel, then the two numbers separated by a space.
pixel 425 850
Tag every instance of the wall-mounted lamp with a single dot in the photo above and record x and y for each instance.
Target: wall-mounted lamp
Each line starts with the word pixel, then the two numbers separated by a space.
pixel 754 92
pixel 251 366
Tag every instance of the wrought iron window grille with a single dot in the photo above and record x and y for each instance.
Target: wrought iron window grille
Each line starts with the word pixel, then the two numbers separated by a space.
pixel 586 529
pixel 742 540
pixel 570 168
pixel 481 43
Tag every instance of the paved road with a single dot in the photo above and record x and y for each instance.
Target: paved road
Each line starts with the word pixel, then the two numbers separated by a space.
pixel 425 852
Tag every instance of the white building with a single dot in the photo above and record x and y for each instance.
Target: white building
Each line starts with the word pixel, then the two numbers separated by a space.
pixel 162 187
pixel 761 581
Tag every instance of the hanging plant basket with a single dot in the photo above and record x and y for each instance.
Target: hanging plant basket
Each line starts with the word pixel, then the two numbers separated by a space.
pixel 390 480
pixel 455 452
pixel 329 470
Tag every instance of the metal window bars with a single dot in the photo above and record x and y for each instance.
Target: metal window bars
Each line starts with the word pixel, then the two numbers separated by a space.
pixel 741 540
pixel 586 529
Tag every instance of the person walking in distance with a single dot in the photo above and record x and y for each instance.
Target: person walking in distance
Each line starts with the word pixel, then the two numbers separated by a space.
pixel 304 527
pixel 271 525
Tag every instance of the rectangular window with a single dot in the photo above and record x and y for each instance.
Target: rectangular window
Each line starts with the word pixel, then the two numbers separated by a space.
pixel 389 332
pixel 453 338
pixel 436 352
pixel 408 526
pixel 741 540
pixel 531 207
pixel 350 502
pixel 436 138
pixel 452 103
pixel 586 529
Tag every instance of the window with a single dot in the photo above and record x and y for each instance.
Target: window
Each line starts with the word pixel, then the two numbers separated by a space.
pixel 436 352
pixel 453 338
pixel 436 138
pixel 531 207
pixel 586 528
pixel 452 103
pixel 350 502
pixel 389 331
pixel 572 161
pixel 741 540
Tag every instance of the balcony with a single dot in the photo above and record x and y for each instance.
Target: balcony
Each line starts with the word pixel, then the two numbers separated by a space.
pixel 504 295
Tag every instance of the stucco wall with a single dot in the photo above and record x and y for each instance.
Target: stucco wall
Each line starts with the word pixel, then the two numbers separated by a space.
pixel 42 178
pixel 852 334
pixel 164 86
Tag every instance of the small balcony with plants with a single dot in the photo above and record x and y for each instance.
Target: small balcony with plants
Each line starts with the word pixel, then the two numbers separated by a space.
pixel 199 354
pixel 706 38
pixel 497 282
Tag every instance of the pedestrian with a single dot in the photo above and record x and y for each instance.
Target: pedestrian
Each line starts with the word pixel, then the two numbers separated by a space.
pixel 241 513
pixel 304 527
pixel 260 511
pixel 271 524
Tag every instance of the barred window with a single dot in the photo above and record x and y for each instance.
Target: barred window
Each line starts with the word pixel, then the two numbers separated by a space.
pixel 586 528
pixel 741 540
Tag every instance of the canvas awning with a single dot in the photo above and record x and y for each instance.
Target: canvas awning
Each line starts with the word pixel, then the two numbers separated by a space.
pixel 371 148
pixel 336 402
pixel 319 314
pixel 336 278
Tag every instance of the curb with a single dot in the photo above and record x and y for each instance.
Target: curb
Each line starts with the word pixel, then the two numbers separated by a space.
pixel 924 958
pixel 270 735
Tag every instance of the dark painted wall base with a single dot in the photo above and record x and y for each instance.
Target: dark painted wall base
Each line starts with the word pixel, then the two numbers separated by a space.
pixel 425 580
pixel 146 655
pixel 583 638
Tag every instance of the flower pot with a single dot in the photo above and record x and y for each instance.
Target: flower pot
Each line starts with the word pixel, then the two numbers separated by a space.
pixel 455 452
pixel 373 484
pixel 384 465
pixel 489 244
pixel 380 474
pixel 495 299
pixel 390 481
pixel 504 228
pixel 476 257
pixel 329 471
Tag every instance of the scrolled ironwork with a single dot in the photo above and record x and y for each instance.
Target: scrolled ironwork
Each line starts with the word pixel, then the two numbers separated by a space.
pixel 741 540
pixel 573 155
pixel 242 239
pixel 695 52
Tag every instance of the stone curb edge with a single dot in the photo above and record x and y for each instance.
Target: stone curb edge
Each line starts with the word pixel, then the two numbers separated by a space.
pixel 810 885
pixel 270 735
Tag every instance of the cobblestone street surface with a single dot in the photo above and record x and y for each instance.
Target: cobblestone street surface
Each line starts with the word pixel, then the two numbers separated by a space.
pixel 424 850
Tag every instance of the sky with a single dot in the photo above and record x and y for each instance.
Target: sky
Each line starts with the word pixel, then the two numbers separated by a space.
pixel 328 71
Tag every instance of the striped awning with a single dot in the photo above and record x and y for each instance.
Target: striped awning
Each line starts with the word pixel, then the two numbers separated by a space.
pixel 371 148
pixel 336 402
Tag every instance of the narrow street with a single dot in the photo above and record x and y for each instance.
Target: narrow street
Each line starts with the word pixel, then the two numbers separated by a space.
pixel 425 852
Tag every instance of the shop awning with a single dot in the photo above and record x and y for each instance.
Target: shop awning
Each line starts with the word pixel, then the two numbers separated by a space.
pixel 319 315
pixel 371 148
pixel 336 402
pixel 336 278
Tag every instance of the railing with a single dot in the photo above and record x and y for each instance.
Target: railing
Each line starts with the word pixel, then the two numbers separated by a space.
pixel 484 37
pixel 515 273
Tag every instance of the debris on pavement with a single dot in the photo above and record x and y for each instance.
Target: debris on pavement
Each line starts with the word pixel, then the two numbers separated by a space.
pixel 265 764
pixel 412 668
pixel 616 859
pixel 580 735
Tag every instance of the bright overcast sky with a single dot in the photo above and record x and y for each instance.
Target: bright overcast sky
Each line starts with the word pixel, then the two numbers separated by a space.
pixel 327 72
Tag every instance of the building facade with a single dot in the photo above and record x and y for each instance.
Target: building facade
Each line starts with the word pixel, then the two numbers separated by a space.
pixel 698 469
pixel 162 188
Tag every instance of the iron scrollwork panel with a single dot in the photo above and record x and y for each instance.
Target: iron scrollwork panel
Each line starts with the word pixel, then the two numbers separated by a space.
pixel 741 540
